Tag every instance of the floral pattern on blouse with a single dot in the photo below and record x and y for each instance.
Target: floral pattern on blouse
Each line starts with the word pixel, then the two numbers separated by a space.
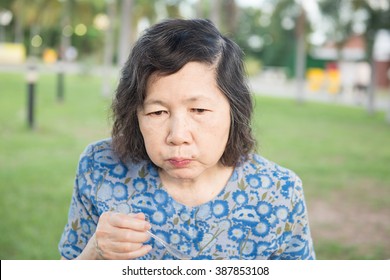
pixel 260 213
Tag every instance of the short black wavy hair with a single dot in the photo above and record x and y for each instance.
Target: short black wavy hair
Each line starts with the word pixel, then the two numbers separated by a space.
pixel 165 48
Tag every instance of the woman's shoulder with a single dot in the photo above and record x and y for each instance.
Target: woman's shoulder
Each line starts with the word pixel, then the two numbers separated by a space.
pixel 100 151
pixel 100 154
pixel 257 164
pixel 98 146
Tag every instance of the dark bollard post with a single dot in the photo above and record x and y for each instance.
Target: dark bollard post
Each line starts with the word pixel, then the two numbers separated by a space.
pixel 31 81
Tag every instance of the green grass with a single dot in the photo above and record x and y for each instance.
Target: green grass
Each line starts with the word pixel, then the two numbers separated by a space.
pixel 332 149
pixel 37 167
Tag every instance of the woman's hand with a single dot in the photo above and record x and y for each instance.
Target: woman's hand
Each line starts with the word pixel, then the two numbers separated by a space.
pixel 120 236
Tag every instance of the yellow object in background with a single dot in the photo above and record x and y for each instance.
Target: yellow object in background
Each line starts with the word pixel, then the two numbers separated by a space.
pixel 49 56
pixel 333 86
pixel 315 78
pixel 328 80
pixel 12 53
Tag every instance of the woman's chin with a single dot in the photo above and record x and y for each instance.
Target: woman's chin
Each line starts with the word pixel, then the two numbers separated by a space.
pixel 185 174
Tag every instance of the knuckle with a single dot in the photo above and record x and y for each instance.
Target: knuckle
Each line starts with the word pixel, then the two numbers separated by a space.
pixel 100 234
pixel 131 247
pixel 105 216
pixel 145 237
pixel 129 236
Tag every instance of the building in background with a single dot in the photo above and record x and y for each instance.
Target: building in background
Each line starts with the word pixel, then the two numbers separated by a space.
pixel 382 58
pixel 352 63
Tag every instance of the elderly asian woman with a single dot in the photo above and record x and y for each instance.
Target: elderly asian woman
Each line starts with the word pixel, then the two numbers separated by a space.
pixel 181 163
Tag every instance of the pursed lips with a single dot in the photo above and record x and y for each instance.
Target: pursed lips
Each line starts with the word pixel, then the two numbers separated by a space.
pixel 179 162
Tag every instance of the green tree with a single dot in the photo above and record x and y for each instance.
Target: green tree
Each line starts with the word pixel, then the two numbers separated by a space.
pixel 46 18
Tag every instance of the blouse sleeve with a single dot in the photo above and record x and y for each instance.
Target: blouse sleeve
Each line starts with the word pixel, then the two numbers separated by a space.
pixel 82 216
pixel 298 243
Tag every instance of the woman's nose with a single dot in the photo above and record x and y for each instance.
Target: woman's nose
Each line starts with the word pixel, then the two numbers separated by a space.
pixel 179 131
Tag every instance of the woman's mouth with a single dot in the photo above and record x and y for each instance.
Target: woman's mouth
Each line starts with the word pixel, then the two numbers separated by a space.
pixel 179 162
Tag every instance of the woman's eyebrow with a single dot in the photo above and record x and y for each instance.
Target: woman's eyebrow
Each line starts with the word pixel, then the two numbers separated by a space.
pixel 191 99
pixel 198 98
pixel 154 102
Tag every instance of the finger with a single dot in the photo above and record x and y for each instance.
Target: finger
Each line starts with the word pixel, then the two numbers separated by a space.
pixel 132 236
pixel 125 247
pixel 140 216
pixel 128 221
pixel 140 252
pixel 117 234
pixel 104 248
pixel 143 250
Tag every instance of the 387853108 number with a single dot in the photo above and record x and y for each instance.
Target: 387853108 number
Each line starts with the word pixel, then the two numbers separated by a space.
pixel 242 270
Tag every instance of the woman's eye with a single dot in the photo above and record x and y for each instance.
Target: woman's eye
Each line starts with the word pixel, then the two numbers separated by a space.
pixel 198 110
pixel 157 113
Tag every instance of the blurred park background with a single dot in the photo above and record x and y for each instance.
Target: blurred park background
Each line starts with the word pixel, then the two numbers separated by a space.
pixel 318 69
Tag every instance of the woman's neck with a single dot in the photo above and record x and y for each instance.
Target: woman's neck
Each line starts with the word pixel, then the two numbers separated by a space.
pixel 194 192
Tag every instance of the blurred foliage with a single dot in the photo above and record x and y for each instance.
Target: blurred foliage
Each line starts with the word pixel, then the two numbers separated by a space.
pixel 252 66
pixel 266 33
pixel 344 15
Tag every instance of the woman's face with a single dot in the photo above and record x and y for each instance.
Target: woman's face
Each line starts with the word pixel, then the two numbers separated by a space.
pixel 185 122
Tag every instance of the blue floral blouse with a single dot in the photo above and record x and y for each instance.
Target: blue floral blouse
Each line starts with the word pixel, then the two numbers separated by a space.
pixel 260 214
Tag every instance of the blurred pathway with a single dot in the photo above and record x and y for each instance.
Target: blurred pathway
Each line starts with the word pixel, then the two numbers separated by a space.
pixel 282 88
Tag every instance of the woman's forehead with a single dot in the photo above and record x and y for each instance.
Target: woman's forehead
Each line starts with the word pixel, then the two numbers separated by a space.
pixel 156 75
pixel 193 82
